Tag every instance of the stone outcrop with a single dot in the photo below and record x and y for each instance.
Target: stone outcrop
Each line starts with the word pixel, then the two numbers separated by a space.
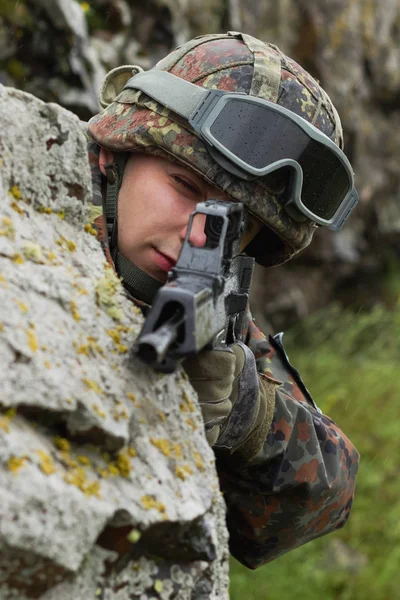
pixel 107 485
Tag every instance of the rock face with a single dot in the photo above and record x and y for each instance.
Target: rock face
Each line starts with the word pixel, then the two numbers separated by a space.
pixel 59 51
pixel 107 485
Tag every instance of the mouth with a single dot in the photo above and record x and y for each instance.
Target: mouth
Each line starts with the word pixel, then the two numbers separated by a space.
pixel 163 261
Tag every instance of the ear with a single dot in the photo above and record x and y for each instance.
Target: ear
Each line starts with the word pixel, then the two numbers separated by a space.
pixel 106 158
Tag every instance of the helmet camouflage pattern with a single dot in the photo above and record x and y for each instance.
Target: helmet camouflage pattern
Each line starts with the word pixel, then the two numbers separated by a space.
pixel 234 62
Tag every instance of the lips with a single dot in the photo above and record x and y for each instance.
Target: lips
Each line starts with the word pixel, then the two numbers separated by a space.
pixel 164 261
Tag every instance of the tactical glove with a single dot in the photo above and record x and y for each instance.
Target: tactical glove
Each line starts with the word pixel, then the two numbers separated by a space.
pixel 236 402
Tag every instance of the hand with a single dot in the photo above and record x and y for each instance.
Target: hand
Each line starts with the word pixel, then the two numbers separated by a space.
pixel 237 404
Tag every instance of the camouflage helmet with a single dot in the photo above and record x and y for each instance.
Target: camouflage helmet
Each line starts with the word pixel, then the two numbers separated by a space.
pixel 234 62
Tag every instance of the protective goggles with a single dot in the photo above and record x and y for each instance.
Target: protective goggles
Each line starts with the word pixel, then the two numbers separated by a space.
pixel 251 137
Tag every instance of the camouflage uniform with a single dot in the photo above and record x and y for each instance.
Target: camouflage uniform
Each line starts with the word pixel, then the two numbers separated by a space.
pixel 301 484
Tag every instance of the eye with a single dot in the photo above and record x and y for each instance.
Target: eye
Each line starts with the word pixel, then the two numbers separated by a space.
pixel 188 185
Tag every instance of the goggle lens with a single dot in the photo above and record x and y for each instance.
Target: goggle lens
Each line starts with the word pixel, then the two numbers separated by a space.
pixel 262 137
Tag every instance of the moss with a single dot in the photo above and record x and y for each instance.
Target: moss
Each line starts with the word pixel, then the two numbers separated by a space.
pixel 33 252
pixel 106 290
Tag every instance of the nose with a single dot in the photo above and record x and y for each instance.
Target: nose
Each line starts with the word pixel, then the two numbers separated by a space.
pixel 197 236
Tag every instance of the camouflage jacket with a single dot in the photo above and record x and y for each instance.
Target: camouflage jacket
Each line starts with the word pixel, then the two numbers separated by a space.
pixel 301 484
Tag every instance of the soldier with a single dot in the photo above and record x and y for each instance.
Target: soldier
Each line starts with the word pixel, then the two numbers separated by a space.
pixel 274 144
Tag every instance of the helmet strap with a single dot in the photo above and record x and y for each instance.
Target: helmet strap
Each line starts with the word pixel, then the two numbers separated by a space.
pixel 138 283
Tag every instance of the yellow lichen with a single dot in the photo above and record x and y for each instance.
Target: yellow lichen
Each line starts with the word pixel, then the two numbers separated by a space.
pixel 103 473
pixel 84 460
pixel 71 246
pixel 162 415
pixel 131 397
pixel 5 424
pixel 82 349
pixel 74 311
pixel 188 402
pixel 115 335
pixel 113 469
pixel 32 340
pixel 90 229
pixel 15 463
pixel 18 259
pixel 199 461
pixel 62 443
pixel 15 192
pixel 158 586
pixel 92 385
pixel 9 229
pixel 78 478
pixel 177 450
pixel 191 424
pixel 179 472
pixel 47 364
pixel 46 462
pixel 123 464
pixel 17 208
pixel 3 280
pixel 163 445
pixel 45 210
pixel 98 411
pixel 149 502
pixel 80 289
pixel 21 305
pixel 51 256
pixel 120 414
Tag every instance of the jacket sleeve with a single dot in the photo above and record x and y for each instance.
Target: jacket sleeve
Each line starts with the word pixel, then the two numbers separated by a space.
pixel 300 486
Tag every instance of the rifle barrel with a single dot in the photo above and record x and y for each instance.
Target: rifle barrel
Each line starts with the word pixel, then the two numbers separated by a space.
pixel 154 346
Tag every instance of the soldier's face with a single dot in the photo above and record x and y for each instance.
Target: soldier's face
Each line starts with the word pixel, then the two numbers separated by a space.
pixel 155 201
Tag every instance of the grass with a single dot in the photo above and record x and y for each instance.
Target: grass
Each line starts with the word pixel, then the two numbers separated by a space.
pixel 351 364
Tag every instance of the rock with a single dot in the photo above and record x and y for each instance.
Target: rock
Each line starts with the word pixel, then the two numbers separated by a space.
pixel 108 487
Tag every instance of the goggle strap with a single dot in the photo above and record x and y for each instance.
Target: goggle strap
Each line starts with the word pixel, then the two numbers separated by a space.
pixel 176 94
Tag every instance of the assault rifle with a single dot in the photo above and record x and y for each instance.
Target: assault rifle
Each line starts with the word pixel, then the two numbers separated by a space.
pixel 204 302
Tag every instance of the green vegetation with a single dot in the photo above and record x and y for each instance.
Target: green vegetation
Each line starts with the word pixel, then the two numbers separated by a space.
pixel 351 364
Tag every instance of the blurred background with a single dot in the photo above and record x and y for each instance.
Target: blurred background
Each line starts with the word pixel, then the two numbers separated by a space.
pixel 339 300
